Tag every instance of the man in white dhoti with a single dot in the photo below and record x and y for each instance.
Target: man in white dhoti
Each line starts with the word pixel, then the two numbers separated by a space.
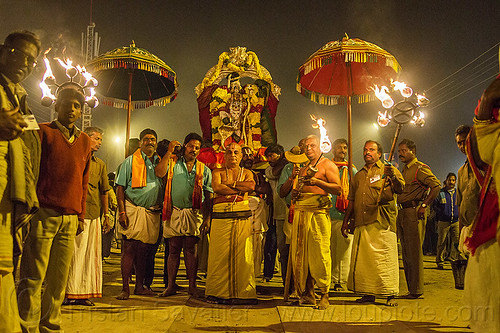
pixel 374 261
pixel 186 207
pixel 85 272
pixel 139 196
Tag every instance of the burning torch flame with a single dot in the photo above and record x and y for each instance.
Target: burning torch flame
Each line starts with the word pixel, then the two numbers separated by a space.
pixel 403 88
pixel 68 64
pixel 324 143
pixel 383 95
pixel 383 119
pixel 48 78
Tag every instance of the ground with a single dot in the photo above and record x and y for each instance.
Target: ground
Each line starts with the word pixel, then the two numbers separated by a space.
pixel 441 309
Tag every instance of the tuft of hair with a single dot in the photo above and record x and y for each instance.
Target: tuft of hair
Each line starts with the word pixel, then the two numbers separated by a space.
pixel 68 93
pixel 451 174
pixel 162 147
pixel 93 129
pixel 462 129
pixel 275 148
pixel 146 132
pixel 410 144
pixel 339 141
pixel 193 136
pixel 26 35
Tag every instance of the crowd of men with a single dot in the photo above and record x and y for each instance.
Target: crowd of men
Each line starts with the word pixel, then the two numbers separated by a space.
pixel 330 224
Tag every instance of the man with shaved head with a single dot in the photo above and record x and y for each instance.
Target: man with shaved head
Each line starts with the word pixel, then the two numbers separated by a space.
pixel 230 276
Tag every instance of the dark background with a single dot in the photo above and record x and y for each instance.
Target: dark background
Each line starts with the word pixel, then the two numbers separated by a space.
pixel 431 40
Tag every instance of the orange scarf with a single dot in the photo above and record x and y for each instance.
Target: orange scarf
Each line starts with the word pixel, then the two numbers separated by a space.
pixel 342 202
pixel 139 171
pixel 197 190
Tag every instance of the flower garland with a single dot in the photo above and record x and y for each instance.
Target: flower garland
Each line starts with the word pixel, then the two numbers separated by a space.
pixel 251 132
pixel 225 61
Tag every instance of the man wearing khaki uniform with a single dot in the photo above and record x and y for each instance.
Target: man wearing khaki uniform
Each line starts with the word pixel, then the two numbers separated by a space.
pixel 420 190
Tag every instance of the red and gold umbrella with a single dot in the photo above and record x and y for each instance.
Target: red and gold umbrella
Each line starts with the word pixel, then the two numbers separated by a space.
pixel 343 71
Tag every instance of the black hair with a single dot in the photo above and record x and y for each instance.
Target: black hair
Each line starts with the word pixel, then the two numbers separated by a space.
pixel 275 148
pixel 26 35
pixel 462 129
pixel 451 174
pixel 146 132
pixel 193 136
pixel 410 144
pixel 162 148
pixel 339 141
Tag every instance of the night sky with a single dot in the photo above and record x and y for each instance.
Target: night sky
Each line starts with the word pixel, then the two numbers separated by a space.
pixel 430 39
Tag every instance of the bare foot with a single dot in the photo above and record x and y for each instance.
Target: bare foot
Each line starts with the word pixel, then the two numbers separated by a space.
pixel 307 300
pixel 144 292
pixel 323 303
pixel 391 301
pixel 123 295
pixel 195 293
pixel 168 292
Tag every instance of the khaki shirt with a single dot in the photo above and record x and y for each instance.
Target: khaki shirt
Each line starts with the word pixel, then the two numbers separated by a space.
pixel 70 135
pixel 364 190
pixel 30 138
pixel 418 179
pixel 468 191
pixel 98 184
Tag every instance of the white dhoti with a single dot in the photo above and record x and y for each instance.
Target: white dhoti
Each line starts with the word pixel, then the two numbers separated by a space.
pixel 482 287
pixel 183 222
pixel 340 249
pixel 260 213
pixel 85 272
pixel 144 225
pixel 374 261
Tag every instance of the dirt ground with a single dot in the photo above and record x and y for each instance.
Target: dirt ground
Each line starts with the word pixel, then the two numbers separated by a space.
pixel 441 309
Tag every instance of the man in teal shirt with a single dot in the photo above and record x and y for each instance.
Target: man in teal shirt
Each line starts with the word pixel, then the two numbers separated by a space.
pixel 186 207
pixel 139 194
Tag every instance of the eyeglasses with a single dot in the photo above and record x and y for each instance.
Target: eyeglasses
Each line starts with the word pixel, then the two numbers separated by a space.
pixel 21 56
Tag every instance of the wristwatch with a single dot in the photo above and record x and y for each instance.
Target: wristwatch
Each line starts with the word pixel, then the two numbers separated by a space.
pixel 423 205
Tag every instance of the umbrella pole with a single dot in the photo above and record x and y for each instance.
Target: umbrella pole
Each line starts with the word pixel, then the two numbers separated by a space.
pixel 129 109
pixel 349 119
pixel 349 136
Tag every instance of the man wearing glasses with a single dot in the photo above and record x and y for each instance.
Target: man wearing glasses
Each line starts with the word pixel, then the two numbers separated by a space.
pixel 19 163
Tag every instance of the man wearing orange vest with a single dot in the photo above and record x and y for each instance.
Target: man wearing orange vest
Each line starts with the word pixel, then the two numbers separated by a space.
pixel 186 208
pixel 139 196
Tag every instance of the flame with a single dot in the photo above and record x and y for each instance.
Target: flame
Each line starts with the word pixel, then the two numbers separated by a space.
pixel 403 88
pixel 47 77
pixel 383 95
pixel 324 142
pixel 71 71
pixel 383 119
pixel 422 100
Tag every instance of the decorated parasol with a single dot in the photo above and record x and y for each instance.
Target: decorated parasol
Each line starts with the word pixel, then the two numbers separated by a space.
pixel 133 78
pixel 344 71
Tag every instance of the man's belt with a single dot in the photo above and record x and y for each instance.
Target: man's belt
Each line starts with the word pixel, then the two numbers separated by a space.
pixel 409 204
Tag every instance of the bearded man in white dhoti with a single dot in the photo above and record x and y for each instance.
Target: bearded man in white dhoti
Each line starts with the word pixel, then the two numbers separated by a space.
pixel 374 259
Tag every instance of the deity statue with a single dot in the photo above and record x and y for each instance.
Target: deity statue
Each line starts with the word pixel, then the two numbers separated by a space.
pixel 235 113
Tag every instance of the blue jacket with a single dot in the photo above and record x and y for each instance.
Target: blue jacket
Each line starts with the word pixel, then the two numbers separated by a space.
pixel 445 206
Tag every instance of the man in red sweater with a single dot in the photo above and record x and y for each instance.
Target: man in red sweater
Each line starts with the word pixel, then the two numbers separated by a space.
pixel 62 192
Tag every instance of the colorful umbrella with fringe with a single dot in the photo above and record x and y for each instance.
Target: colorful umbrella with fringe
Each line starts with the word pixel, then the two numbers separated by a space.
pixel 343 71
pixel 133 78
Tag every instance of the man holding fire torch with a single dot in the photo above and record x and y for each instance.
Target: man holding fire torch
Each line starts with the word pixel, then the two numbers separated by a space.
pixel 374 261
pixel 310 247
